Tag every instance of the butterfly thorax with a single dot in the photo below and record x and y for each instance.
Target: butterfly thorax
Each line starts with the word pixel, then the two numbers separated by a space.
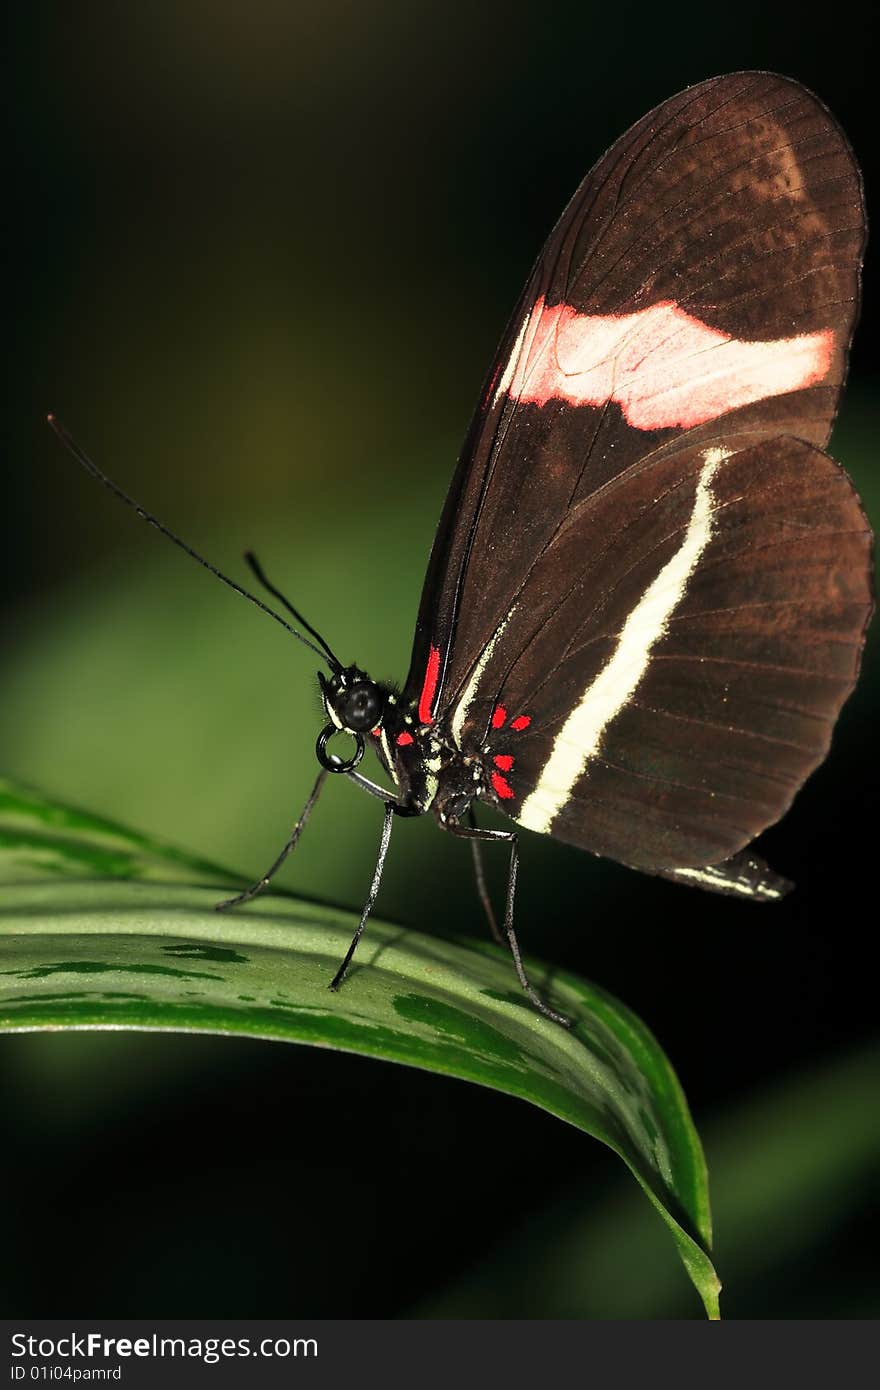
pixel 415 756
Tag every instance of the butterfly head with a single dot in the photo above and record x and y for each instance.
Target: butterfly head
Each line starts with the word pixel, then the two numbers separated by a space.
pixel 355 705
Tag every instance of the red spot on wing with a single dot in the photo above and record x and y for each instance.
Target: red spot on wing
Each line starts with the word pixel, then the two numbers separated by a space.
pixel 403 739
pixel 499 716
pixel 375 732
pixel 521 722
pixel 429 686
pixel 663 367
pixel 504 761
pixel 502 786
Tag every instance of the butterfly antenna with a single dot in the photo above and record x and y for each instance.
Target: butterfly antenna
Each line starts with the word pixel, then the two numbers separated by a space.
pixel 258 572
pixel 92 468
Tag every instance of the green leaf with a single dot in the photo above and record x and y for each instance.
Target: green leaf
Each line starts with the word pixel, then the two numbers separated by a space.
pixel 794 1165
pixel 97 930
pixel 40 839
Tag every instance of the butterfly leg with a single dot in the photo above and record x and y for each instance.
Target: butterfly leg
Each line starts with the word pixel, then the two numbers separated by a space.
pixel 482 886
pixel 510 837
pixel 263 882
pixel 340 975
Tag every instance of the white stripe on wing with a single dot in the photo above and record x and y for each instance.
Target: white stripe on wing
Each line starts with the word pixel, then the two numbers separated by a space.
pixel 581 735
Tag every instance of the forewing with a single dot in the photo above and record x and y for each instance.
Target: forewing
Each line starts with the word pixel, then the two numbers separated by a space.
pixel 672 669
pixel 706 268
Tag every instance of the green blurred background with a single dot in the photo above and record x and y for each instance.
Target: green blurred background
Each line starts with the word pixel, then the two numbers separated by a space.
pixel 263 256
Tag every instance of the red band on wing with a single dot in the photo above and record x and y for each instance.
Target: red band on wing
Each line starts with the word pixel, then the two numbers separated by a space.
pixel 502 786
pixel 663 367
pixel 429 687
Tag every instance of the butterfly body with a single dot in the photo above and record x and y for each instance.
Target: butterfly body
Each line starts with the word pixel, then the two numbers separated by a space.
pixel 428 773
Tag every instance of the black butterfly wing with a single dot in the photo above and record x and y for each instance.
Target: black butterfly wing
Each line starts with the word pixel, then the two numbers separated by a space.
pixel 671 670
pixel 708 266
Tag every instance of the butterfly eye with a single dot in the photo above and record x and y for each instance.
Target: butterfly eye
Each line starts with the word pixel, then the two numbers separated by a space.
pixel 361 706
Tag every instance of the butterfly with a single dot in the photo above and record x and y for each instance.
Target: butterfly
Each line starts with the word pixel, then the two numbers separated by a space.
pixel 648 593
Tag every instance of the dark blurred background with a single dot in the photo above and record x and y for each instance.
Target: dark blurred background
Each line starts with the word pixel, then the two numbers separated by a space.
pixel 263 256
